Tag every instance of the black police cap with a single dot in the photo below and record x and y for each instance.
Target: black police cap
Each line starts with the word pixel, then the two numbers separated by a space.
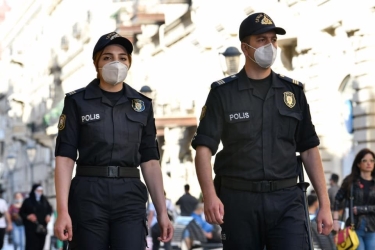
pixel 258 23
pixel 112 38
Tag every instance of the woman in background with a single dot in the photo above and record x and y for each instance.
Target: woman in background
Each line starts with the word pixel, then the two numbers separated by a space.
pixel 36 213
pixel 362 179
pixel 18 232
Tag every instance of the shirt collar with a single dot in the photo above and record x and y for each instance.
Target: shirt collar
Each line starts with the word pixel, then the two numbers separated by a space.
pixel 245 83
pixel 93 91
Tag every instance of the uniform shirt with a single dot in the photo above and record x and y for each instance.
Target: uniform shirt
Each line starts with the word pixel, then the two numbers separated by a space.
pixel 260 137
pixel 104 134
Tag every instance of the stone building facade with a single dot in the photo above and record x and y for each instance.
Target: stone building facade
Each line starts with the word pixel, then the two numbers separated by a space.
pixel 46 51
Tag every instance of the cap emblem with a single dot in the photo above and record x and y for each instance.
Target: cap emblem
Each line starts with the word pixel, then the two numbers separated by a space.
pixel 112 35
pixel 289 99
pixel 265 20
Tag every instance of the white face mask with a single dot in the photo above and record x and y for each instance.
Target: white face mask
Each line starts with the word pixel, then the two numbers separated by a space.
pixel 114 72
pixel 37 196
pixel 264 56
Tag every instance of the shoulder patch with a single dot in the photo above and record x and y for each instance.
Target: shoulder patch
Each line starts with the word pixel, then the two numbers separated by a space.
pixel 290 80
pixel 223 81
pixel 75 91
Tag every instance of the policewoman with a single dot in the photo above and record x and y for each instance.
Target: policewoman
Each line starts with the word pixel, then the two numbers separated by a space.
pixel 108 130
pixel 262 119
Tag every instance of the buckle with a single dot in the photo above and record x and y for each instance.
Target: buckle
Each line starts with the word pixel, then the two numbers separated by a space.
pixel 266 186
pixel 113 171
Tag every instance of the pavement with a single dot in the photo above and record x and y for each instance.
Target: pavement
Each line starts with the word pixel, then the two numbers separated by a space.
pixel 6 245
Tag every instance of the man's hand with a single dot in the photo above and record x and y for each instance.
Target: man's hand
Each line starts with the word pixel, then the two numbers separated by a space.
pixel 213 210
pixel 63 227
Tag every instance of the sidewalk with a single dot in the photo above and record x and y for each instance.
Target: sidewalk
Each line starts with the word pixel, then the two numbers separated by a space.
pixel 6 245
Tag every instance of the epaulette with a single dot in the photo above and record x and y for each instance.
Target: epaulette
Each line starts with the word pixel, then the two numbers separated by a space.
pixel 75 91
pixel 290 80
pixel 223 81
pixel 148 98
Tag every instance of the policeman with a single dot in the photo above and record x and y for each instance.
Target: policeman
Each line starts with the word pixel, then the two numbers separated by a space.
pixel 262 119
pixel 112 127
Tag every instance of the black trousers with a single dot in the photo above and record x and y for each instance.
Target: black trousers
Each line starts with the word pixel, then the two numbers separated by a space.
pixel 108 213
pixel 255 220
pixel 2 234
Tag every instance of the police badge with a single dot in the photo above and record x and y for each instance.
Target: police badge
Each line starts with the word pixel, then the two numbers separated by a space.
pixel 138 105
pixel 289 99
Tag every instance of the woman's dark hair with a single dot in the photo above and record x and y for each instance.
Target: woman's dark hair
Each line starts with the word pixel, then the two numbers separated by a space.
pixel 356 172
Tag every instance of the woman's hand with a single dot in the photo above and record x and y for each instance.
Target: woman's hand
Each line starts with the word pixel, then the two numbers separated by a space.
pixel 32 218
pixel 48 218
pixel 355 210
pixel 166 228
pixel 336 225
pixel 63 227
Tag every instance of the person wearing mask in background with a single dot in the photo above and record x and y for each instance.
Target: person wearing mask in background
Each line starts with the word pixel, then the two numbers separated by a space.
pixel 187 202
pixel 111 128
pixel 5 220
pixel 361 179
pixel 18 232
pixel 262 120
pixel 36 213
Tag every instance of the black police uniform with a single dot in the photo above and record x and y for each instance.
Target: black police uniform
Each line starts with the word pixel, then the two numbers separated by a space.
pixel 256 170
pixel 107 200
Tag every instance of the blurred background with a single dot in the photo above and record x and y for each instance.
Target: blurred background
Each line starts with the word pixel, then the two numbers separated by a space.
pixel 180 48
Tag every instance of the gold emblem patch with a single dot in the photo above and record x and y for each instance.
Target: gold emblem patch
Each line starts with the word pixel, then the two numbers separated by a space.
pixel 289 99
pixel 266 20
pixel 203 113
pixel 62 120
pixel 138 105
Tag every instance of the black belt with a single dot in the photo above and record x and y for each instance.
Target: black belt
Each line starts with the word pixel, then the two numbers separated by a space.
pixel 107 171
pixel 257 186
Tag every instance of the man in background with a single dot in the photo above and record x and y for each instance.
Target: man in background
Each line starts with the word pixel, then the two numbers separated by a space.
pixel 334 187
pixel 187 202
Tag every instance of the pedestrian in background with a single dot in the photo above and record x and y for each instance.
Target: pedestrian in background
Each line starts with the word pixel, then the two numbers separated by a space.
pixel 111 127
pixel 334 187
pixel 262 119
pixel 35 213
pixel 154 226
pixel 361 179
pixel 5 220
pixel 320 241
pixel 18 231
pixel 187 202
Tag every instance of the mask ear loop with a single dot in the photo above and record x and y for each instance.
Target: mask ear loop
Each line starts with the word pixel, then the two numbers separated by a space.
pixel 253 49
